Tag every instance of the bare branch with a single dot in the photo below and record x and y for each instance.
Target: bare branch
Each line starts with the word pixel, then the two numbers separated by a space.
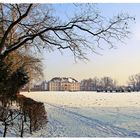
pixel 12 25
pixel 84 31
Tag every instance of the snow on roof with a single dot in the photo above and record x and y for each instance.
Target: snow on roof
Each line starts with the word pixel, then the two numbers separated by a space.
pixel 63 79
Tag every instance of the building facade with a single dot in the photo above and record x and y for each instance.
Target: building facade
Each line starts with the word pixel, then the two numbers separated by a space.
pixel 43 86
pixel 63 84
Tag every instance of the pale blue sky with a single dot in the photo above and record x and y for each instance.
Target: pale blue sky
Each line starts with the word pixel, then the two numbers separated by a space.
pixel 118 63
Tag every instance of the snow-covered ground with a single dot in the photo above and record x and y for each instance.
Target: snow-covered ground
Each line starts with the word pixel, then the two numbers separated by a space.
pixel 87 99
pixel 89 114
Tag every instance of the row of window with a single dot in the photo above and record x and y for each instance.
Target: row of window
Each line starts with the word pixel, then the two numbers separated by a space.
pixel 63 87
pixel 52 86
pixel 58 84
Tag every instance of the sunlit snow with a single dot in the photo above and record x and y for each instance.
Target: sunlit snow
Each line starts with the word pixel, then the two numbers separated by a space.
pixel 89 114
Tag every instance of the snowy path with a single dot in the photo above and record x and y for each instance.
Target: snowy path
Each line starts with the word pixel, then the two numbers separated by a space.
pixel 76 122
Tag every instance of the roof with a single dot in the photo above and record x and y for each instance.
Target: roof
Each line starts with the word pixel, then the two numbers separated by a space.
pixel 63 79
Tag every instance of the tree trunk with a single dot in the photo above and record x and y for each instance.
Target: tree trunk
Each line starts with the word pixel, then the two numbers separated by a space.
pixel 22 126
pixel 5 129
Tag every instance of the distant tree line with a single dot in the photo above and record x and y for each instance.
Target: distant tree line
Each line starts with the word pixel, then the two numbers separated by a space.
pixel 107 84
pixel 95 84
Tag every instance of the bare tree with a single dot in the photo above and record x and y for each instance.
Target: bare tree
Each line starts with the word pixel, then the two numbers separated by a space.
pixel 107 83
pixel 86 84
pixel 95 82
pixel 134 81
pixel 35 25
pixel 90 84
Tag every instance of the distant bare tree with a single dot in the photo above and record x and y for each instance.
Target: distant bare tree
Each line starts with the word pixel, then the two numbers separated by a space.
pixel 134 81
pixel 95 83
pixel 90 84
pixel 86 84
pixel 36 25
pixel 107 82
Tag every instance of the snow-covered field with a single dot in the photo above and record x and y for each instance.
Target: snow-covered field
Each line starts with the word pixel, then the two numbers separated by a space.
pixel 87 99
pixel 89 114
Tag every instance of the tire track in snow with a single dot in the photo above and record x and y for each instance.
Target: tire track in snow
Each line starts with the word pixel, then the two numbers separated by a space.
pixel 126 115
pixel 101 127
